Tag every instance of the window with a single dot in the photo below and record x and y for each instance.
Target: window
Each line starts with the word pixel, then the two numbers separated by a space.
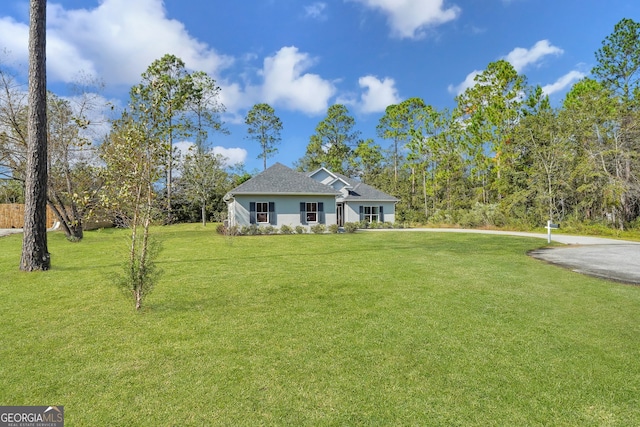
pixel 262 212
pixel 371 214
pixel 312 212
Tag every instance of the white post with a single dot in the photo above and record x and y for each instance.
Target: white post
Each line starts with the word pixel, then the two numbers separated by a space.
pixel 548 231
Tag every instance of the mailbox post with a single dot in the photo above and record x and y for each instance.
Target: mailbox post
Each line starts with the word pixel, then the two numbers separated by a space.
pixel 550 226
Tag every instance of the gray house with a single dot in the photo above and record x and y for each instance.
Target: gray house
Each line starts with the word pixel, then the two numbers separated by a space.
pixel 281 196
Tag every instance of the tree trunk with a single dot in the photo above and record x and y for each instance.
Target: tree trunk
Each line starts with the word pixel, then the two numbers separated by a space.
pixel 35 255
pixel 203 210
pixel 73 229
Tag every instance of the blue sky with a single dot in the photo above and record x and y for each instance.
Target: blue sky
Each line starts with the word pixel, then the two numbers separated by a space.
pixel 303 56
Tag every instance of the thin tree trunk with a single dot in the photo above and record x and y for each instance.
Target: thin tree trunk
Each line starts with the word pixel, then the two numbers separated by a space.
pixel 424 193
pixel 204 212
pixel 35 254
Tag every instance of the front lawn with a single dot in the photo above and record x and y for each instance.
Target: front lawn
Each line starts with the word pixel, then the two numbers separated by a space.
pixel 393 328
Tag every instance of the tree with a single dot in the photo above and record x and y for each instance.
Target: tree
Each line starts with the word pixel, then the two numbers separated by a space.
pixel 619 60
pixel 590 115
pixel 134 158
pixel 203 175
pixel 74 180
pixel 13 128
pixel 618 69
pixel 368 161
pixel 264 127
pixel 491 110
pixel 35 253
pixel 426 147
pixel 397 124
pixel 164 92
pixel 205 107
pixel 333 142
pixel 544 152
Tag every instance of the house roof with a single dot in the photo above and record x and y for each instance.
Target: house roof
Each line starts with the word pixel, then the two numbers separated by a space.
pixel 279 179
pixel 357 190
pixel 362 191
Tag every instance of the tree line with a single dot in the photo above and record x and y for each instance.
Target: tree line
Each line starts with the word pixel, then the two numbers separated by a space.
pixel 503 155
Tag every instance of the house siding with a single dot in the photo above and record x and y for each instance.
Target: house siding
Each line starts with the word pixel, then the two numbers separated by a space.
pixel 323 176
pixel 287 209
pixel 352 210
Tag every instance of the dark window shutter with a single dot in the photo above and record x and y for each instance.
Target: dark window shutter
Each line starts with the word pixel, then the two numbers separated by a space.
pixel 361 213
pixel 381 214
pixel 272 213
pixel 321 212
pixel 252 212
pixel 303 213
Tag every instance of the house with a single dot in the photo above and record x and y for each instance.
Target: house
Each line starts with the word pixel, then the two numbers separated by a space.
pixel 282 196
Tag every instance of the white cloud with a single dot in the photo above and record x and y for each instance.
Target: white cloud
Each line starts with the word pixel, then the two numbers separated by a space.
pixel 520 57
pixel 563 82
pixel 378 94
pixel 316 11
pixel 100 40
pixel 410 18
pixel 466 84
pixel 233 155
pixel 286 84
pixel 15 38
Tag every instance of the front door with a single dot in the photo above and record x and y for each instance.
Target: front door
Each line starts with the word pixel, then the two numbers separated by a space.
pixel 340 214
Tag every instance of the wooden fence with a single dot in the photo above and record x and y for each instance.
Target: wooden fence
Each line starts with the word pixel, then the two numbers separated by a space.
pixel 12 216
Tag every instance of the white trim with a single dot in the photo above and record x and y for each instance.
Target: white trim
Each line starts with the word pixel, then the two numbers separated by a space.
pixel 267 212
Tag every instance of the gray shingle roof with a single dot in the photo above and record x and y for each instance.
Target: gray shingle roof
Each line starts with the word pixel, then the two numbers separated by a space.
pixel 279 179
pixel 361 191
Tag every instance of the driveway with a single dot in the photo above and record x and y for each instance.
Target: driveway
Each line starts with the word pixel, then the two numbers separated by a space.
pixel 612 259
pixel 7 231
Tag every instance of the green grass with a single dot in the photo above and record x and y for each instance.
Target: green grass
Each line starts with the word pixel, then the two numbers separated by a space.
pixel 383 329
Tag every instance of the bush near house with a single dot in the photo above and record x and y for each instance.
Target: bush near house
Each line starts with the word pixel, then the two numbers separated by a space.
pixel 350 227
pixel 318 228
pixel 286 229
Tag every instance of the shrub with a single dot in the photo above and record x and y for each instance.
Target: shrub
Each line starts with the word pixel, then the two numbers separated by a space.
pixel 286 229
pixel 333 228
pixel 441 217
pixel 318 228
pixel 350 227
pixel 227 231
pixel 250 230
pixel 269 229
pixel 483 215
pixel 387 224
pixel 300 229
pixel 221 229
pixel 363 224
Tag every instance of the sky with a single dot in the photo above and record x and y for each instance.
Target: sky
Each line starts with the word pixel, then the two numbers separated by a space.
pixel 303 56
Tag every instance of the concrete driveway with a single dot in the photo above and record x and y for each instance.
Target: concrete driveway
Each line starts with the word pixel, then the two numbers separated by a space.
pixel 7 231
pixel 612 259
